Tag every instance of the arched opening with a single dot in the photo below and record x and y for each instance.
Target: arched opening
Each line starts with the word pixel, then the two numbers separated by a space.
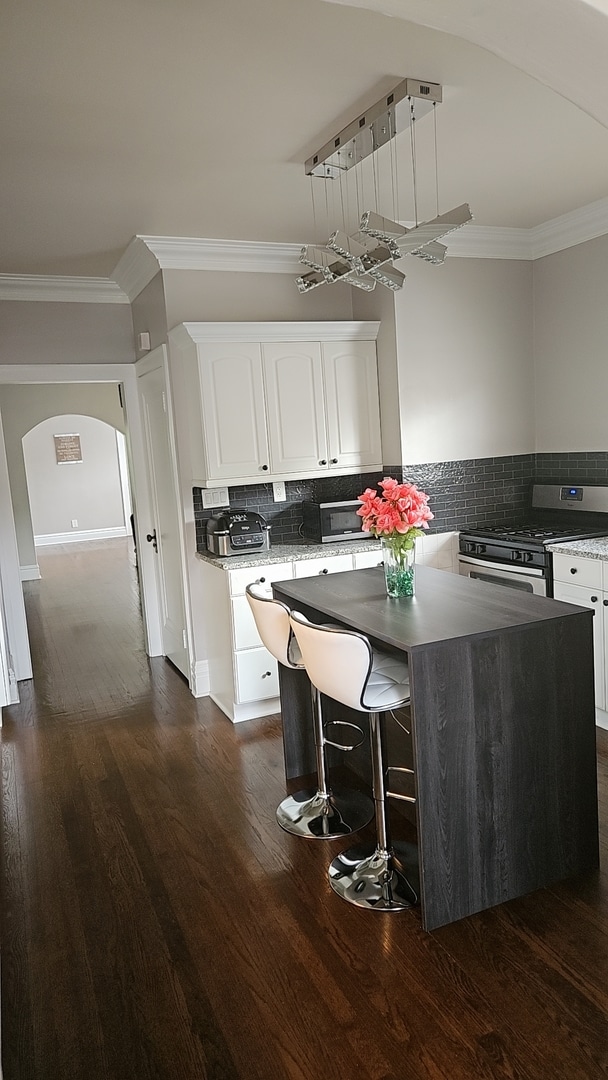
pixel 77 480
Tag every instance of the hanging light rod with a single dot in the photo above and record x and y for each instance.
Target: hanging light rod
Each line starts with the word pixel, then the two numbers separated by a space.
pixel 373 128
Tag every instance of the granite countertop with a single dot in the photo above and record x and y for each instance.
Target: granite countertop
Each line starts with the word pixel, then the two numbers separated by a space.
pixel 300 549
pixel 590 549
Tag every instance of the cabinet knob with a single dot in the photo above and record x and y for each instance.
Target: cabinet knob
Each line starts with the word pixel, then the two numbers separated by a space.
pixel 325 571
pixel 266 674
pixel 573 570
pixel 323 462
pixel 594 599
pixel 264 468
pixel 605 603
pixel 334 461
pixel 260 581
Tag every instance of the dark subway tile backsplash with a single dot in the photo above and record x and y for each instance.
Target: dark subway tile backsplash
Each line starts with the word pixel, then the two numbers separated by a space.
pixel 482 491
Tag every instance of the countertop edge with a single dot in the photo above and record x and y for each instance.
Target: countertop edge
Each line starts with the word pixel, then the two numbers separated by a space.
pixel 594 548
pixel 279 553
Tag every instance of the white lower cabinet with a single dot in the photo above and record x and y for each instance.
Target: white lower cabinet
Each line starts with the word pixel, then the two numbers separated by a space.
pixel 333 564
pixel 366 559
pixel 257 676
pixel 584 581
pixel 243 676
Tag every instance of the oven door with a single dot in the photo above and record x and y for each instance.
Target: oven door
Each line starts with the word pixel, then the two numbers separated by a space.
pixel 527 579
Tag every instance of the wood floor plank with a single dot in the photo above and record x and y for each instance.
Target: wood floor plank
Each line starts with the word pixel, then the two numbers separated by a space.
pixel 157 922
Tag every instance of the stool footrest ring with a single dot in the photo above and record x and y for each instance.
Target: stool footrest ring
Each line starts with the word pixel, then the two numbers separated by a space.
pixel 345 724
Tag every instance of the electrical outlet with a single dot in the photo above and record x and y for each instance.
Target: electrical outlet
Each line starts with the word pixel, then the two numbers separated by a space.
pixel 278 491
pixel 74 523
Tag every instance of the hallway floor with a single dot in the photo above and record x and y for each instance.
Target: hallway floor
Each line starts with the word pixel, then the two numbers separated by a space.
pixel 158 925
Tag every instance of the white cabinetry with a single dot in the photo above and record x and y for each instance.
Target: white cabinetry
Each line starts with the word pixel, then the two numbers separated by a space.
pixel 331 564
pixel 584 581
pixel 243 676
pixel 279 400
pixel 233 412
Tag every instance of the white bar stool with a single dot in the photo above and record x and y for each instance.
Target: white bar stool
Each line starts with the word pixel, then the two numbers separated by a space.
pixel 323 814
pixel 342 664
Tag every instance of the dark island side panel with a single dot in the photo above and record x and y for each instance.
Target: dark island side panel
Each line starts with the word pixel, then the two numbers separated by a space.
pixel 508 799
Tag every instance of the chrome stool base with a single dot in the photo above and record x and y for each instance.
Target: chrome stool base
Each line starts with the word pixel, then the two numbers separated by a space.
pixel 370 878
pixel 324 817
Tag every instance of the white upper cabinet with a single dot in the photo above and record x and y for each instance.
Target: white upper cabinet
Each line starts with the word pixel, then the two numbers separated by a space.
pixel 278 400
pixel 351 394
pixel 295 405
pixel 233 410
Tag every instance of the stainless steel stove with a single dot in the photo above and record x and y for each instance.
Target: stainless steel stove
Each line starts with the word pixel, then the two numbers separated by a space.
pixel 517 555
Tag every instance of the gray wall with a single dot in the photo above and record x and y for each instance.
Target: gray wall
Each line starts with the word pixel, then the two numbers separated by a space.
pixel 88 491
pixel 34 332
pixel 571 348
pixel 23 407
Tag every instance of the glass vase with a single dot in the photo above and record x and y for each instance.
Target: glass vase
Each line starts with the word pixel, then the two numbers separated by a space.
pixel 399 558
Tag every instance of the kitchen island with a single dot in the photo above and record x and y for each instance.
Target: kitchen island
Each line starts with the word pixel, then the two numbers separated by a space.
pixel 503 729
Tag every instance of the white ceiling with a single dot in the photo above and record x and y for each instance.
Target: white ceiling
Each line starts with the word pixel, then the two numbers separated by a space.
pixel 193 118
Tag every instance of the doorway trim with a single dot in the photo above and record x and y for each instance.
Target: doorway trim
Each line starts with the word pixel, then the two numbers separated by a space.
pixel 123 374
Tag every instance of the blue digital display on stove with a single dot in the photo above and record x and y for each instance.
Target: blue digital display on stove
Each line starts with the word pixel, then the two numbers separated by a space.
pixel 571 494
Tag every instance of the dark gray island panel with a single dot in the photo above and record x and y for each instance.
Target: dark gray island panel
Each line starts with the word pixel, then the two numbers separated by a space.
pixel 503 728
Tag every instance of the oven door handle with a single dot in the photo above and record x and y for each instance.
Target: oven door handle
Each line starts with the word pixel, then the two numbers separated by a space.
pixel 515 568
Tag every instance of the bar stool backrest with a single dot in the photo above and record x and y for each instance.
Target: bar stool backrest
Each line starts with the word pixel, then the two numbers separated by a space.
pixel 272 623
pixel 338 662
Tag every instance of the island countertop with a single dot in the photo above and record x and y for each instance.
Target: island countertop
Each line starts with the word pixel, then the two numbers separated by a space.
pixel 446 606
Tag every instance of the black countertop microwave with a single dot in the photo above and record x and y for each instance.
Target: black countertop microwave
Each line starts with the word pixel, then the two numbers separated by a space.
pixel 324 522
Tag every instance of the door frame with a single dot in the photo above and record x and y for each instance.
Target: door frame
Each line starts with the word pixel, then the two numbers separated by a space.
pixel 124 375
pixel 159 359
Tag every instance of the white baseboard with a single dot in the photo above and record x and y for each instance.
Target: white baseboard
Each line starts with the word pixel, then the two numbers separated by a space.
pixel 29 573
pixel 601 719
pixel 250 711
pixel 199 682
pixel 77 535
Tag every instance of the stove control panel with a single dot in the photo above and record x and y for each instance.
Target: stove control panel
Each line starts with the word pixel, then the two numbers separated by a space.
pixel 571 494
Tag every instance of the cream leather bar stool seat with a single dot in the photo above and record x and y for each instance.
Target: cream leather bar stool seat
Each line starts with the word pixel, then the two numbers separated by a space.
pixel 343 665
pixel 322 814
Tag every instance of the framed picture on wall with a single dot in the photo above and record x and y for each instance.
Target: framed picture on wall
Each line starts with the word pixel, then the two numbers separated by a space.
pixel 67 449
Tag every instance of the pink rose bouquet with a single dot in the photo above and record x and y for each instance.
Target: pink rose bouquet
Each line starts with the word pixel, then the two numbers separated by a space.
pixel 397 516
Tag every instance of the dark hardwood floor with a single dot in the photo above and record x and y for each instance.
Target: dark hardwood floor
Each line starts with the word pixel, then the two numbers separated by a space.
pixel 158 924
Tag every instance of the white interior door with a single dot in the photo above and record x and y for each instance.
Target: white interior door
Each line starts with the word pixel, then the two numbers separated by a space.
pixel 164 528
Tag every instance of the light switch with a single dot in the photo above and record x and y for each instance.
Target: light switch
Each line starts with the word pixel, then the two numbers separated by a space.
pixel 215 497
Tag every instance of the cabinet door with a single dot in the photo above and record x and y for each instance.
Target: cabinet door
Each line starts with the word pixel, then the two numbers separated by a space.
pixel 296 415
pixel 233 410
pixel 589 598
pixel 351 393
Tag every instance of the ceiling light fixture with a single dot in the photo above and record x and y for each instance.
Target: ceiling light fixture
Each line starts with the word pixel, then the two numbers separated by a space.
pixel 365 255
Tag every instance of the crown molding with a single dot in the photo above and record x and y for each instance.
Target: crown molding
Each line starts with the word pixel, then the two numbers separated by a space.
pixel 56 288
pixel 489 242
pixel 201 332
pixel 136 267
pixel 146 256
pixel 570 229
